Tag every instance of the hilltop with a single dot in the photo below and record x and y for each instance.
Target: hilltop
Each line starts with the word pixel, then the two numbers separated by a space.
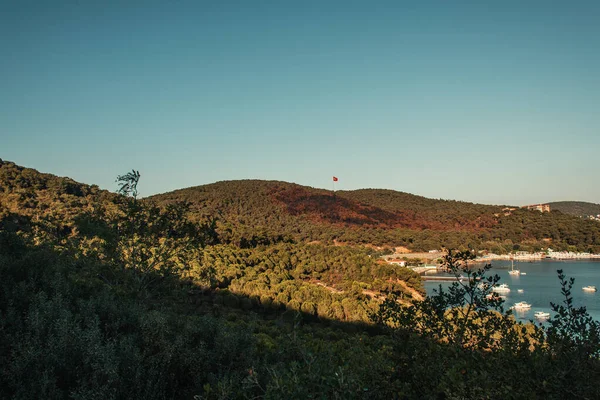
pixel 281 209
pixel 254 212
pixel 248 213
pixel 27 194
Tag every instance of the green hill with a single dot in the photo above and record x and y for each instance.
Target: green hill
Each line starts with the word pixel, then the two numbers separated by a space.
pixel 104 296
pixel 248 213
pixel 256 211
pixel 576 208
pixel 251 215
pixel 284 210
pixel 27 194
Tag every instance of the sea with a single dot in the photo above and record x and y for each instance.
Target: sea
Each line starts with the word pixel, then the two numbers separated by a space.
pixel 540 285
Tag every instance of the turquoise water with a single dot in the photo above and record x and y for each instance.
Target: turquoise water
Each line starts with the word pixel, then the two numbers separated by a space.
pixel 541 286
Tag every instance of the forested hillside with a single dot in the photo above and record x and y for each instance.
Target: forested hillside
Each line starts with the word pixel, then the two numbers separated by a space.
pixel 27 193
pixel 46 205
pixel 243 291
pixel 251 212
pixel 576 208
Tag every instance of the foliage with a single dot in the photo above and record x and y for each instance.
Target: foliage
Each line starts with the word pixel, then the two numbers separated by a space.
pixel 146 242
pixel 128 184
pixel 468 315
pixel 253 213
pixel 573 342
pixel 65 336
pixel 572 327
pixel 463 324
pixel 327 282
pixel 268 212
pixel 576 208
pixel 222 292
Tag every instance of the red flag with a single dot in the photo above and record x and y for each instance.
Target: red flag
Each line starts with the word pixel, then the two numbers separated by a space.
pixel 335 179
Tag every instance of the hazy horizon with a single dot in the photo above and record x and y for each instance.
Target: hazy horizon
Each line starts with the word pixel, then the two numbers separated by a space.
pixel 486 103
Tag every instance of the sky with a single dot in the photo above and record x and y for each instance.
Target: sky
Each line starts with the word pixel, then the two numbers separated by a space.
pixel 494 102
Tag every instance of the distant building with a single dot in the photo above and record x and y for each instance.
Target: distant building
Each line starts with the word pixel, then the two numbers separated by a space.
pixel 538 207
pixel 401 263
pixel 507 211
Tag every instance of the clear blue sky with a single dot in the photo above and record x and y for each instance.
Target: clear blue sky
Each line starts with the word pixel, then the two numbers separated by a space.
pixel 486 101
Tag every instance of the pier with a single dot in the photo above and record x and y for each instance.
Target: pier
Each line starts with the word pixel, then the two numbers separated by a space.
pixel 443 278
pixel 423 269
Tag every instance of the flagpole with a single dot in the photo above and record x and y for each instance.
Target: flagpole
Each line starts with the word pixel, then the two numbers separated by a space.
pixel 334 188
pixel 334 180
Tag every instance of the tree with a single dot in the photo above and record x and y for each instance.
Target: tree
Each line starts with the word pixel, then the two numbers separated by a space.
pixel 572 329
pixel 468 314
pixel 128 184
pixel 148 242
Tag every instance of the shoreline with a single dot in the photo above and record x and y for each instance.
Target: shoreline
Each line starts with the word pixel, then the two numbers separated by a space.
pixel 555 255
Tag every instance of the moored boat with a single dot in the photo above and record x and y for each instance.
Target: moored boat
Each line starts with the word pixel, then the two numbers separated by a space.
pixel 522 305
pixel 513 271
pixel 541 315
pixel 502 288
pixel 589 288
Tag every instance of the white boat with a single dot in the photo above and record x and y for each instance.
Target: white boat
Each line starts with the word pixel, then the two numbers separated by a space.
pixel 522 305
pixel 513 271
pixel 520 290
pixel 589 288
pixel 502 288
pixel 542 315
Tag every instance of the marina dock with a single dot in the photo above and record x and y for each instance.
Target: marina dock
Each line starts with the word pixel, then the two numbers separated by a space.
pixel 442 278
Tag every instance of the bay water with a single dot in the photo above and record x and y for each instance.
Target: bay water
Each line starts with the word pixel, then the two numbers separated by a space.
pixel 541 286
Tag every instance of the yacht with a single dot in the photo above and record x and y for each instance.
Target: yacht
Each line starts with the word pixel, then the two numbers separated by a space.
pixel 520 290
pixel 542 315
pixel 522 305
pixel 589 288
pixel 502 288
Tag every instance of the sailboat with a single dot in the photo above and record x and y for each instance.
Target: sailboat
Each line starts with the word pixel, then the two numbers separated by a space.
pixel 513 271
